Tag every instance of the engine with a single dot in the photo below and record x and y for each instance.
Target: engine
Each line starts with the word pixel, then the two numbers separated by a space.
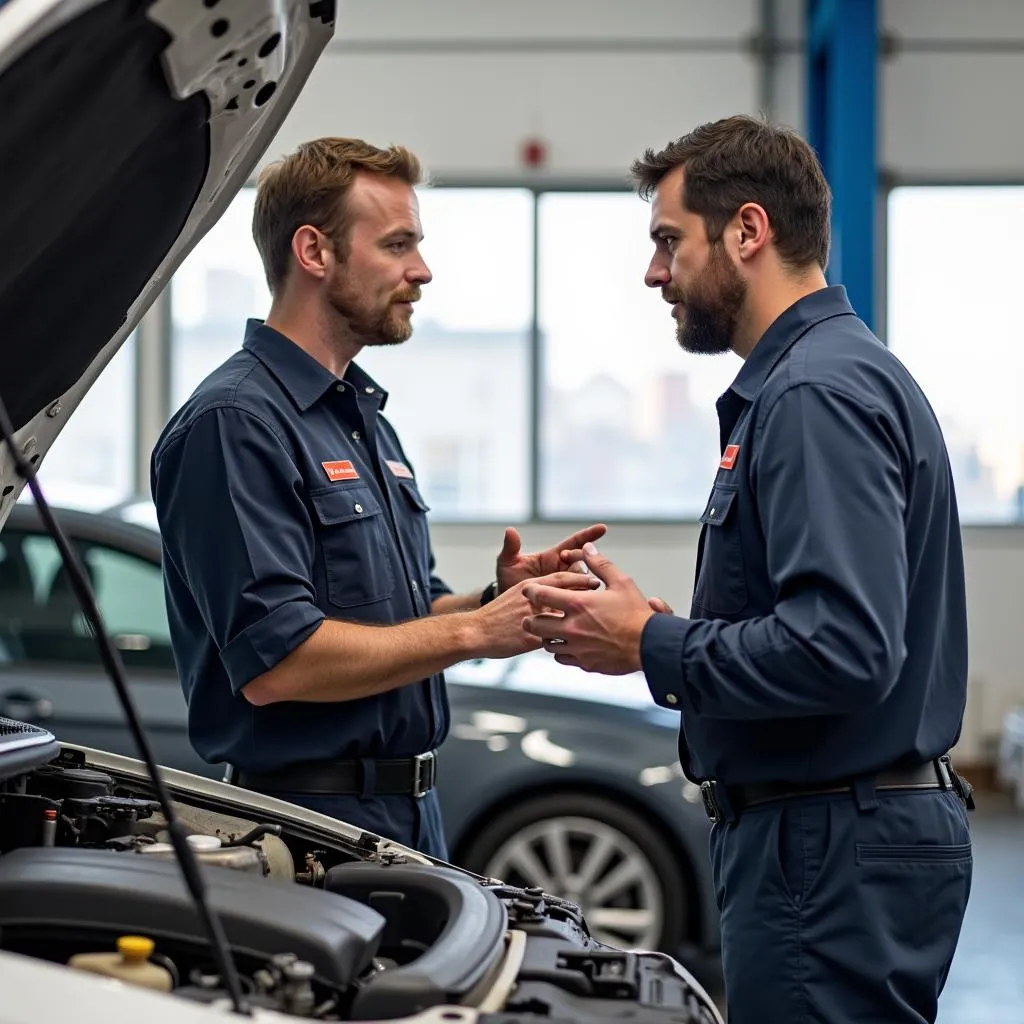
pixel 71 805
pixel 325 930
pixel 86 866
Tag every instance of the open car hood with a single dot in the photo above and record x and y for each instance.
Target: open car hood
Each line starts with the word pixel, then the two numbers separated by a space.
pixel 127 128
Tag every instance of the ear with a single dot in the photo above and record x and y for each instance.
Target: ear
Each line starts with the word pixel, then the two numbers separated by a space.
pixel 312 251
pixel 754 230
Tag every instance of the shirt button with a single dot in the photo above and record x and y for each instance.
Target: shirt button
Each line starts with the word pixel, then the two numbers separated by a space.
pixel 339 387
pixel 712 512
pixel 357 508
pixel 671 698
pixel 369 391
pixel 415 587
pixel 356 435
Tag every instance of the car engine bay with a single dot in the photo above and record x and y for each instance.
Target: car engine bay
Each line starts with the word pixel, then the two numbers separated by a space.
pixel 321 928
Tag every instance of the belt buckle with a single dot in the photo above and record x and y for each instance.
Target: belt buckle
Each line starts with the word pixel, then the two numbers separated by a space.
pixel 424 767
pixel 709 797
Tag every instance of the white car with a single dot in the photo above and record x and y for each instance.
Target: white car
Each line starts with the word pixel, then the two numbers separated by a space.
pixel 1010 762
pixel 132 893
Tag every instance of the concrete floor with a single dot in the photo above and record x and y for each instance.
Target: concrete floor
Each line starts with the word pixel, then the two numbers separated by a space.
pixel 986 982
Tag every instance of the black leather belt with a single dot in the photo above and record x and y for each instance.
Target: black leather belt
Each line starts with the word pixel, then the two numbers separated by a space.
pixel 404 776
pixel 720 800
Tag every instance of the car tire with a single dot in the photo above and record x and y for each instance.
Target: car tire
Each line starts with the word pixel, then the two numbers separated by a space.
pixel 654 881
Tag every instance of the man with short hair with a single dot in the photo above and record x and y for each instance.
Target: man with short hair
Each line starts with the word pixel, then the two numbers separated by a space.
pixel 821 673
pixel 308 625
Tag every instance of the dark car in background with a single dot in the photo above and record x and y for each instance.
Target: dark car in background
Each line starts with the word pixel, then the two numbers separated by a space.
pixel 550 777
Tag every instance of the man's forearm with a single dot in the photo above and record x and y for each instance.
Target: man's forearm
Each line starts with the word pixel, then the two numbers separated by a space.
pixel 345 661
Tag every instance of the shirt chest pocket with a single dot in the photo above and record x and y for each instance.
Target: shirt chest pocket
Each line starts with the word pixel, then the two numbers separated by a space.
pixel 414 516
pixel 721 585
pixel 353 536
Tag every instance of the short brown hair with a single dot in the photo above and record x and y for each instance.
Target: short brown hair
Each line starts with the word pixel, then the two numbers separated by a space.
pixel 744 160
pixel 309 186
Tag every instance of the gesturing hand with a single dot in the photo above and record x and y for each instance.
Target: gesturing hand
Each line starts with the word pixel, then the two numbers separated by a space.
pixel 598 631
pixel 499 631
pixel 514 567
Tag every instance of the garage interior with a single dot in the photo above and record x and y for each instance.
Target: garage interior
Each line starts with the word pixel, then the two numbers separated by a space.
pixel 577 406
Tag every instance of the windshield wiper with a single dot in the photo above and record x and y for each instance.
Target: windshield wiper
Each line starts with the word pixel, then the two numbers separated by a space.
pixel 111 659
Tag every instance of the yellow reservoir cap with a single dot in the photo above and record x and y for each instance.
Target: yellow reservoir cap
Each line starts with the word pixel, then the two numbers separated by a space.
pixel 135 947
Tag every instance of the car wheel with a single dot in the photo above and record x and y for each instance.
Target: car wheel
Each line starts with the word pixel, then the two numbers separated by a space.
pixel 600 855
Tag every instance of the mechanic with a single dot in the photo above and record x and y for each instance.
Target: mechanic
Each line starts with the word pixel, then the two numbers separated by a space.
pixel 308 626
pixel 821 673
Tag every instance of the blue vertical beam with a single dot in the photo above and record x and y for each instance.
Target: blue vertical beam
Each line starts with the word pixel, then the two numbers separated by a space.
pixel 842 126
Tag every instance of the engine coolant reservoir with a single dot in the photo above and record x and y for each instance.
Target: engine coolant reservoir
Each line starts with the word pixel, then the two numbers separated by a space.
pixel 130 964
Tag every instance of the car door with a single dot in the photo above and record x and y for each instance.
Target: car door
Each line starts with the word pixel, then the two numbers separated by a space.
pixel 50 668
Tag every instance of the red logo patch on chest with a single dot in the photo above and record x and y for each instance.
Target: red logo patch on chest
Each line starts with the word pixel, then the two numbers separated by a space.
pixel 729 456
pixel 342 470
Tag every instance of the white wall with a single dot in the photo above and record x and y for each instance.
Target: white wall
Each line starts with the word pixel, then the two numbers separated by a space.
pixel 951 109
pixel 406 71
pixel 388 77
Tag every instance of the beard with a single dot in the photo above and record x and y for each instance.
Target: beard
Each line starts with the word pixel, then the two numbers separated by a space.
pixel 711 306
pixel 387 325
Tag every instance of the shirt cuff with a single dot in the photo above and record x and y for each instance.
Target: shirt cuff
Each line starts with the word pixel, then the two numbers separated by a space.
pixel 260 647
pixel 438 588
pixel 661 658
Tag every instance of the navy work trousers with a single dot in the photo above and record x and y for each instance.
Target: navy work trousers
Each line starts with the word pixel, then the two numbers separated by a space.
pixel 408 820
pixel 838 910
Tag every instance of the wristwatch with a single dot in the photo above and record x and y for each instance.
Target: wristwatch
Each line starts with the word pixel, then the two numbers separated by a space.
pixel 490 592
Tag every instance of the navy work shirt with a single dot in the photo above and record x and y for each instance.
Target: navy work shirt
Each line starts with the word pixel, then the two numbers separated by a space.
pixel 284 498
pixel 828 632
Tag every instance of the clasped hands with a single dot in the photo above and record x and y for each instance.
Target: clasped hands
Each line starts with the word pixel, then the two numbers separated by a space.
pixel 595 630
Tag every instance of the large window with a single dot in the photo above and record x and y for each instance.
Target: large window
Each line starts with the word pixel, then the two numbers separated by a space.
pixel 219 285
pixel 459 389
pixel 629 423
pixel 953 288
pixel 92 463
pixel 627 426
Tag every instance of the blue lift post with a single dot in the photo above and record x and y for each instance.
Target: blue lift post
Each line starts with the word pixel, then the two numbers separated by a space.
pixel 842 126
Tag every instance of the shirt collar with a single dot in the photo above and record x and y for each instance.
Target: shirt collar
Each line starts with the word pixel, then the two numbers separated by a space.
pixel 783 333
pixel 302 377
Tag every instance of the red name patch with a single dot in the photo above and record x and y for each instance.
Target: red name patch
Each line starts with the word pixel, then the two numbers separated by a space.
pixel 400 469
pixel 729 456
pixel 343 470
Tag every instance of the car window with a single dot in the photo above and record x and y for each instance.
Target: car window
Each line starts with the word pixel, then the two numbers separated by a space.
pixel 41 622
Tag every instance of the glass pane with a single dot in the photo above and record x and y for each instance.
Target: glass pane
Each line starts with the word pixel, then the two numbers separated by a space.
pixel 953 320
pixel 130 593
pixel 40 619
pixel 92 463
pixel 22 594
pixel 628 419
pixel 459 388
pixel 218 287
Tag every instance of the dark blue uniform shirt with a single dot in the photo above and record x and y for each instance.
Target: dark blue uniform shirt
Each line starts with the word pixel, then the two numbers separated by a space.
pixel 828 631
pixel 284 498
